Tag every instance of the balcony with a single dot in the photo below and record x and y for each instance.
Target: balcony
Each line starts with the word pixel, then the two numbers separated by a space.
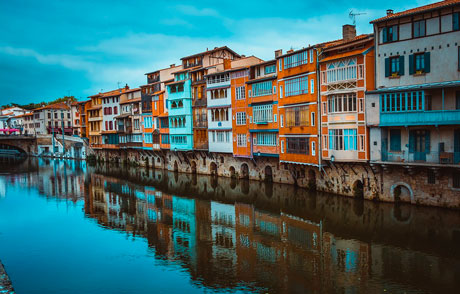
pixel 200 123
pixel 421 158
pixel 420 118
pixel 153 80
pixel 190 65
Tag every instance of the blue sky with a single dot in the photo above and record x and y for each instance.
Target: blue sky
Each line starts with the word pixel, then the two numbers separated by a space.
pixel 49 49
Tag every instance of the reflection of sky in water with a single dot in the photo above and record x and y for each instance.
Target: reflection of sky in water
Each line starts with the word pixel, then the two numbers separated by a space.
pixel 132 233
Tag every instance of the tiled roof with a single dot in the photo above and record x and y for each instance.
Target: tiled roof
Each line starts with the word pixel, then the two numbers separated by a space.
pixel 60 105
pixel 345 54
pixel 342 41
pixel 437 5
pixel 211 51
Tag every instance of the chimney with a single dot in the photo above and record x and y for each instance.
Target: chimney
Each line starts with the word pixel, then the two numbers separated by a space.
pixel 126 87
pixel 227 64
pixel 390 12
pixel 172 65
pixel 348 32
pixel 278 53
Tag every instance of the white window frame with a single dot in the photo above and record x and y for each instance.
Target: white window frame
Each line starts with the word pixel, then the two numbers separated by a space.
pixel 312 86
pixel 281 91
pixel 312 119
pixel 313 148
pixel 240 118
pixel 281 120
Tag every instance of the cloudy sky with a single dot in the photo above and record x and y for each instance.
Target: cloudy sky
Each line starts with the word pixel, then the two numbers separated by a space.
pixel 53 48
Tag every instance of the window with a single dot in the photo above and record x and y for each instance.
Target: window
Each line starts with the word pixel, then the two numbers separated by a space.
pixel 297 116
pixel 240 118
pixel 270 69
pixel 240 93
pixel 136 124
pixel 456 180
pixel 458 58
pixel 313 148
pixel 311 55
pixel 262 88
pixel 361 143
pixel 456 21
pixel 280 65
pixel 296 86
pixel 342 70
pixel 419 63
pixel 281 120
pixel 419 28
pixel 115 110
pixel 324 108
pixel 49 115
pixel 394 65
pixel 281 87
pixel 266 139
pixel 274 117
pixel 342 139
pixel 241 140
pixel 295 59
pixel 402 101
pixel 361 104
pixel 282 146
pixel 312 86
pixel 164 139
pixel 390 34
pixel 342 103
pixel 395 140
pixel 297 145
pixel 274 89
pixel 312 119
pixel 263 113
pixel 431 177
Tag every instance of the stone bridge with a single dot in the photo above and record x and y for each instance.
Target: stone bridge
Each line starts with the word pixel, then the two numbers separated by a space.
pixel 18 145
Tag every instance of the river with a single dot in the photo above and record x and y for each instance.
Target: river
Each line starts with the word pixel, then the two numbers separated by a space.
pixel 66 227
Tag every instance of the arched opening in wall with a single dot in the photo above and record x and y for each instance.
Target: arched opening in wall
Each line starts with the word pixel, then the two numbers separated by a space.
pixel 401 193
pixel 193 164
pixel 158 160
pixel 311 179
pixel 232 172
pixel 176 167
pixel 268 174
pixel 358 189
pixel 244 171
pixel 213 169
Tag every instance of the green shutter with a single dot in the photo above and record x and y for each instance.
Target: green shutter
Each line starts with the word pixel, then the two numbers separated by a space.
pixel 411 141
pixel 395 140
pixel 427 62
pixel 401 65
pixel 411 64
pixel 384 35
pixel 387 67
pixel 427 141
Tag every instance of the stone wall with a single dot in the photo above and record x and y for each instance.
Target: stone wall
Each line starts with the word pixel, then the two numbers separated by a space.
pixel 361 180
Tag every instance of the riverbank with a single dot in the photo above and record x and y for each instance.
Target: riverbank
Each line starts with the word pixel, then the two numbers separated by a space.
pixel 6 287
pixel 406 183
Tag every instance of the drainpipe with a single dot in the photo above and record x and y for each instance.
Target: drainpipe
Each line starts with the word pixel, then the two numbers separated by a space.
pixel 318 119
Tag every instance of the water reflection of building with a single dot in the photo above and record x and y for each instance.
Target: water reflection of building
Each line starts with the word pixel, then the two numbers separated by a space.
pixel 238 245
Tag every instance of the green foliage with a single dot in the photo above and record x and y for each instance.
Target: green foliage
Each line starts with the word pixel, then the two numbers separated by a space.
pixel 31 106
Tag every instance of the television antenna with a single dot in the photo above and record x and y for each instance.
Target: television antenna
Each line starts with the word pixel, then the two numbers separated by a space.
pixel 352 15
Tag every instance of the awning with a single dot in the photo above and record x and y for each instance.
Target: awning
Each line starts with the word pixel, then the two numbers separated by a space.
pixel 416 87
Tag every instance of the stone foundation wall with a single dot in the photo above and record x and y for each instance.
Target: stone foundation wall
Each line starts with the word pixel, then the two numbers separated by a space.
pixel 361 180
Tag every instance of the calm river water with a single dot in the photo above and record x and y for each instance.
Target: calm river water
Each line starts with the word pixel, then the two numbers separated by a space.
pixel 66 227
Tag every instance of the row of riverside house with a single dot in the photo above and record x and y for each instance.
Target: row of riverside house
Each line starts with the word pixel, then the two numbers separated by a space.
pixel 374 115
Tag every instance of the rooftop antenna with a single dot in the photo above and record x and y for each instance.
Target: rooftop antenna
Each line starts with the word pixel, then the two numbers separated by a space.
pixel 353 15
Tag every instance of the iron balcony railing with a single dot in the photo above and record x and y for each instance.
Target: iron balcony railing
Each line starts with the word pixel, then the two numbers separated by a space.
pixel 434 157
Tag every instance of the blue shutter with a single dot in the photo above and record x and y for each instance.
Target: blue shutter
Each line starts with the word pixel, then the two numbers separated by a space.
pixel 387 67
pixel 427 141
pixel 395 140
pixel 427 62
pixel 401 65
pixel 411 64
pixel 411 141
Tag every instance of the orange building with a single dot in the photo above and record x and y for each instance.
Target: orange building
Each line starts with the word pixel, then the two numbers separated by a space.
pixel 240 109
pixel 298 128
pixel 263 109
pixel 347 72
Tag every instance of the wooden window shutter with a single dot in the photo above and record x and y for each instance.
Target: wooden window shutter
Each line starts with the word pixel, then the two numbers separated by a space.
pixel 387 67
pixel 427 62
pixel 411 64
pixel 401 65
